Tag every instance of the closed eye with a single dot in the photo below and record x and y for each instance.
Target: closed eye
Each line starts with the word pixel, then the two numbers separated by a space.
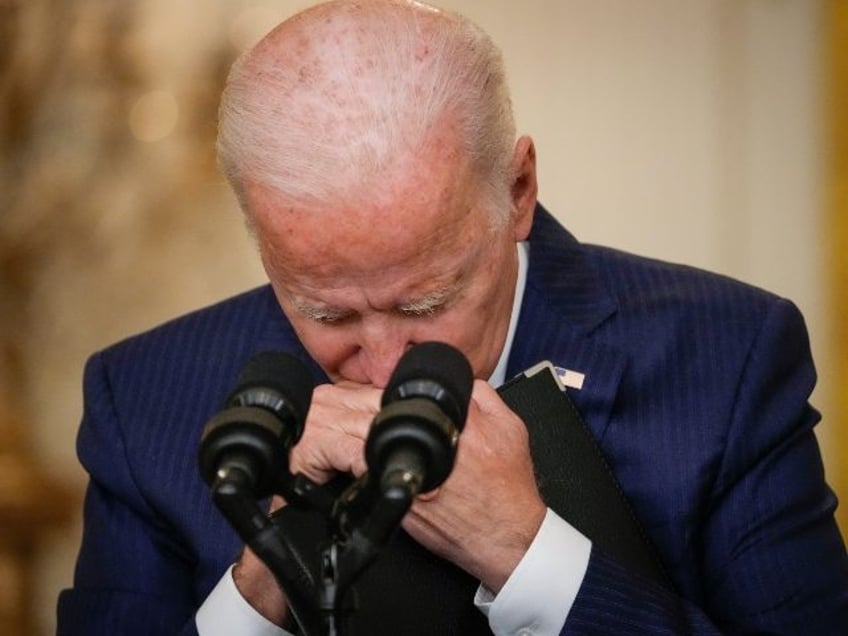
pixel 331 319
pixel 323 315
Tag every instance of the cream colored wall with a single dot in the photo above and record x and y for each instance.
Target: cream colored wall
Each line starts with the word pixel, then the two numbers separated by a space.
pixel 682 129
pixel 686 130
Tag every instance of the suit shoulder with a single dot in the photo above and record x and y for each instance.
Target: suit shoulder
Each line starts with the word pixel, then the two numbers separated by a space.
pixel 189 362
pixel 634 286
pixel 638 282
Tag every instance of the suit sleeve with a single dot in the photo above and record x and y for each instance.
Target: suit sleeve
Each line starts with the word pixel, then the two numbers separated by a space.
pixel 131 577
pixel 771 557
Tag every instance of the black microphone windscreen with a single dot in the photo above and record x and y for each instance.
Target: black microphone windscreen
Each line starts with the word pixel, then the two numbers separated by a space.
pixel 281 372
pixel 436 362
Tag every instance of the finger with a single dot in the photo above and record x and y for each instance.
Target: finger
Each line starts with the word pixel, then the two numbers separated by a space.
pixel 319 457
pixel 349 395
pixel 346 409
pixel 487 398
pixel 430 495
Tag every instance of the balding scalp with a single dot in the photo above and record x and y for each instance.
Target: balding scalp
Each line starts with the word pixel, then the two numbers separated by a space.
pixel 345 96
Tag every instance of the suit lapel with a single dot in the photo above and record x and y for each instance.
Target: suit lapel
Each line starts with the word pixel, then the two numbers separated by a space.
pixel 565 304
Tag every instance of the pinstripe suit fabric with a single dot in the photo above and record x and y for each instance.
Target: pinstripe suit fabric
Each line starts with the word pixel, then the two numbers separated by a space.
pixel 696 390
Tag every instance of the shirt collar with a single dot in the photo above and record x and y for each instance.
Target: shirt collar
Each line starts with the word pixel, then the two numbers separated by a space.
pixel 498 376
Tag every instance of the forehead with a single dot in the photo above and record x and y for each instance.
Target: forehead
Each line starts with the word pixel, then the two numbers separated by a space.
pixel 417 222
pixel 352 259
pixel 365 266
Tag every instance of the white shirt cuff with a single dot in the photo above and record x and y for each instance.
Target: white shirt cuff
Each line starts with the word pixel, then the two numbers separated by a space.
pixel 225 612
pixel 538 595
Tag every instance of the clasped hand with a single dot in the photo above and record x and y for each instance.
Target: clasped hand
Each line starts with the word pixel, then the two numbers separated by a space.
pixel 482 518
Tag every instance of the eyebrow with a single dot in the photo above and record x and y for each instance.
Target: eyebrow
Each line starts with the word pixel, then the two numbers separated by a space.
pixel 319 313
pixel 427 305
pixel 424 306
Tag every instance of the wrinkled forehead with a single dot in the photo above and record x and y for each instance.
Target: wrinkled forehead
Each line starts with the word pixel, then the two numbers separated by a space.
pixel 425 229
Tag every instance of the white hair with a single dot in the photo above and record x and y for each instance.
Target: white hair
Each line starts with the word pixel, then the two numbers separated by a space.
pixel 316 120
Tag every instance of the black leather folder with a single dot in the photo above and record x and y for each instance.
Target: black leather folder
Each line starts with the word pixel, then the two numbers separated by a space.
pixel 574 478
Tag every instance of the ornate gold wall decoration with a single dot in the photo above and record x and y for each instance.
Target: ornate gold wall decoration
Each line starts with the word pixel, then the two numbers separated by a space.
pixel 107 202
pixel 32 502
pixel 837 136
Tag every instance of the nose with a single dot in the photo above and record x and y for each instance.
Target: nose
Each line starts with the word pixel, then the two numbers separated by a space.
pixel 382 344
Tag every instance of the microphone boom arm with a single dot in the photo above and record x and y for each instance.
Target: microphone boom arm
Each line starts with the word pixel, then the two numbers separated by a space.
pixel 232 495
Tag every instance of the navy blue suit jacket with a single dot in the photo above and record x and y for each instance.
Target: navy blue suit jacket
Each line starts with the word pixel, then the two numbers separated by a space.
pixel 696 389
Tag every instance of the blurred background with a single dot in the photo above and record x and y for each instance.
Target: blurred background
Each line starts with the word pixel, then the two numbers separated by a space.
pixel 710 132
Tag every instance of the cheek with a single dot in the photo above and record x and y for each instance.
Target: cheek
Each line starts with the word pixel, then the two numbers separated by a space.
pixel 330 347
pixel 465 329
pixel 479 326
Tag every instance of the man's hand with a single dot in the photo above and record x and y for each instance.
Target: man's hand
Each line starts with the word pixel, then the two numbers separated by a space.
pixel 485 516
pixel 333 440
pixel 334 436
pixel 258 586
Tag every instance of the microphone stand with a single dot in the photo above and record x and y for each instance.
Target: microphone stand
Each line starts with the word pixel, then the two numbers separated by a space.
pixel 320 542
pixel 348 530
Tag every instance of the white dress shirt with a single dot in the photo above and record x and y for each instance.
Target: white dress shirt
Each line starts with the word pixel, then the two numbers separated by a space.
pixel 534 601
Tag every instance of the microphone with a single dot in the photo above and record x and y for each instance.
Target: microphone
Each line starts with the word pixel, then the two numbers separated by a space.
pixel 264 416
pixel 412 442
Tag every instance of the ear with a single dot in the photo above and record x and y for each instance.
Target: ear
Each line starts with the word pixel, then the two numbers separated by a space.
pixel 524 188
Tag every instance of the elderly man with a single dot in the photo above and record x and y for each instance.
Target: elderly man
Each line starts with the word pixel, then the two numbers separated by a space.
pixel 373 150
